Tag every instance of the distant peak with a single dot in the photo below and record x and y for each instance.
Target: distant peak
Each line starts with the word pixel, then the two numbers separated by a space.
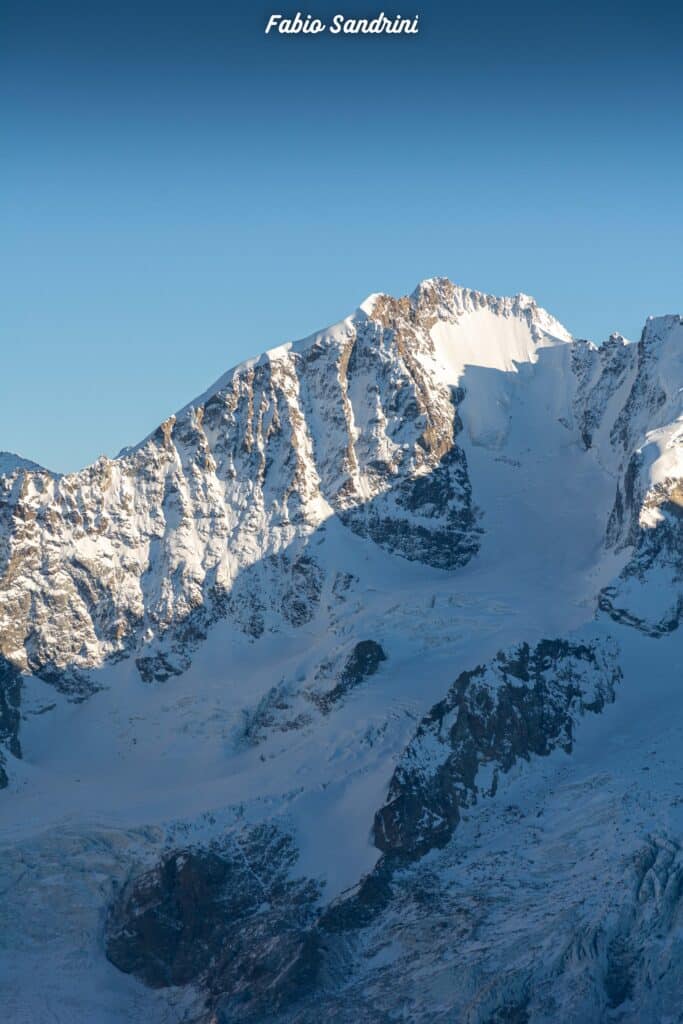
pixel 11 463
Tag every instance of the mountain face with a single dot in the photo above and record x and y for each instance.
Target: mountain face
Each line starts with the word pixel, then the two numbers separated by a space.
pixel 353 690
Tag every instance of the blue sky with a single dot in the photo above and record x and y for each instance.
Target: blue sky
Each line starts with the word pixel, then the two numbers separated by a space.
pixel 180 191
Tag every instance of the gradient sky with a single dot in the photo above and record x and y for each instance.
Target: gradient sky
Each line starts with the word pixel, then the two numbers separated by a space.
pixel 179 191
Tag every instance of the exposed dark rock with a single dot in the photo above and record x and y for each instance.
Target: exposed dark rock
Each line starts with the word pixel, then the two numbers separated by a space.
pixel 10 715
pixel 600 372
pixel 442 548
pixel 524 703
pixel 646 395
pixel 156 668
pixel 343 582
pixel 274 966
pixel 622 526
pixel 658 547
pixel 363 662
pixel 402 524
pixel 227 918
pixel 166 926
pixel 76 684
pixel 609 602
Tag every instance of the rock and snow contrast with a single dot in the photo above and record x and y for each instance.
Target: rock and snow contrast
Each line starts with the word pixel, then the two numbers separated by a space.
pixel 353 691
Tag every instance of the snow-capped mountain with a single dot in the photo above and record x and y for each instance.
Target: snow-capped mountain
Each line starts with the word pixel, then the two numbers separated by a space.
pixel 352 690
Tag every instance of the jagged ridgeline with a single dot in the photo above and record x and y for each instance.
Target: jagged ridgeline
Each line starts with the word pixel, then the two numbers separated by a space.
pixel 214 514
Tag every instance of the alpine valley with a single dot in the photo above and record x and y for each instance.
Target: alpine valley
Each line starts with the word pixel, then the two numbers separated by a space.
pixel 354 691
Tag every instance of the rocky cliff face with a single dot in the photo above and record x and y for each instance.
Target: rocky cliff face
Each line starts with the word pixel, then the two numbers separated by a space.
pixel 647 508
pixel 628 406
pixel 10 714
pixel 228 918
pixel 282 734
pixel 525 703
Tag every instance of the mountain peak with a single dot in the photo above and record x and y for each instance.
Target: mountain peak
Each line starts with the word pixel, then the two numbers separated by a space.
pixel 11 463
pixel 446 299
pixel 457 326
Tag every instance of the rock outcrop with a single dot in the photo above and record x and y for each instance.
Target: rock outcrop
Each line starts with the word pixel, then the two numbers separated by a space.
pixel 227 918
pixel 525 703
pixel 363 661
pixel 10 715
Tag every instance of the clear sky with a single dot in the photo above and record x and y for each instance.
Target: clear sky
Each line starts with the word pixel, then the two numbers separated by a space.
pixel 179 191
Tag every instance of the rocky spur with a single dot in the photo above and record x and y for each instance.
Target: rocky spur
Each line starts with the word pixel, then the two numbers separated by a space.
pixel 341 25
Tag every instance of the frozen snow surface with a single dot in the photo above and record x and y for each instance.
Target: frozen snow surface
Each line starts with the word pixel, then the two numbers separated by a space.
pixel 352 692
